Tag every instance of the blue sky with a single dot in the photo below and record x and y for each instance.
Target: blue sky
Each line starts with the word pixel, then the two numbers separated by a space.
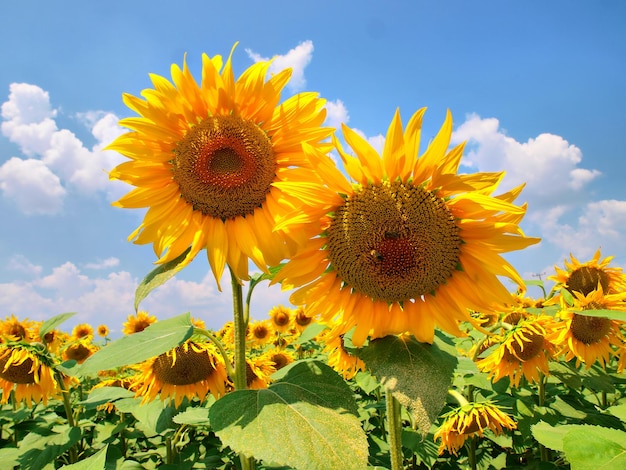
pixel 536 88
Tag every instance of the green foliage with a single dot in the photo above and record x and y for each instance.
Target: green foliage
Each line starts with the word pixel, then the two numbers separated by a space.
pixel 52 323
pixel 305 419
pixel 418 374
pixel 96 462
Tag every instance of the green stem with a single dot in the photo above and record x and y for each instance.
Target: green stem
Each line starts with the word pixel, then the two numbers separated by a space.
pixel 394 429
pixel 229 368
pixel 543 451
pixel 240 326
pixel 461 400
pixel 471 452
pixel 68 412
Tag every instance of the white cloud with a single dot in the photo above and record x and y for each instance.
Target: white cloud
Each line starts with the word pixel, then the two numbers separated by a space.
pixel 65 162
pixel 297 59
pixel 22 264
pixel 336 114
pixel 106 263
pixel 548 164
pixel 33 187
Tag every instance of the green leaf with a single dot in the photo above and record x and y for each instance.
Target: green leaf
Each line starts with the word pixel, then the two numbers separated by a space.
pixel 158 338
pixel 418 374
pixel 595 448
pixel 38 451
pixel 96 462
pixel 310 332
pixel 159 276
pixel 306 420
pixel 610 314
pixel 102 395
pixel 618 411
pixel 549 436
pixel 53 322
pixel 153 417
pixel 193 416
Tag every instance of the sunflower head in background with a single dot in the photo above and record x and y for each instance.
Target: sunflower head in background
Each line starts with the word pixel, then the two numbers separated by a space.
pixel 406 244
pixel 204 159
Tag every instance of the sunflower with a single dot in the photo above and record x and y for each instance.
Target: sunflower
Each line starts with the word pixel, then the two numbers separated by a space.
pixel 470 420
pixel 258 372
pixel 28 373
pixel 137 323
pixel 280 357
pixel 83 330
pixel 302 319
pixel 281 318
pixel 204 159
pixel 260 332
pixel 407 246
pixel 190 370
pixel 522 351
pixel 53 339
pixel 79 350
pixel 339 358
pixel 13 329
pixel 103 331
pixel 585 277
pixel 588 338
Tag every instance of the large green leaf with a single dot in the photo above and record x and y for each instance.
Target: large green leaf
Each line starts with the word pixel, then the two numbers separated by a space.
pixel 53 322
pixel 96 462
pixel 305 420
pixel 132 349
pixel 158 276
pixel 595 448
pixel 153 417
pixel 418 374
pixel 610 314
pixel 38 451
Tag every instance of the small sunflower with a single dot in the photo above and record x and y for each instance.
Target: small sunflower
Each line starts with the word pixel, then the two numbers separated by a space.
pixel 137 323
pixel 190 370
pixel 53 339
pixel 281 318
pixel 260 332
pixel 79 350
pixel 82 330
pixel 28 373
pixel 522 351
pixel 258 372
pixel 588 338
pixel 280 357
pixel 103 331
pixel 13 329
pixel 204 159
pixel 302 319
pixel 586 277
pixel 409 244
pixel 470 420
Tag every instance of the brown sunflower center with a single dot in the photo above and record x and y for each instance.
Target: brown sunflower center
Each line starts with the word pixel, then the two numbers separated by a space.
pixel 302 319
pixel 476 423
pixel 78 352
pixel 189 368
pixel 260 332
pixel 586 278
pixel 18 331
pixel 590 330
pixel 393 242
pixel 279 360
pixel 17 373
pixel 529 348
pixel 281 319
pixel 224 166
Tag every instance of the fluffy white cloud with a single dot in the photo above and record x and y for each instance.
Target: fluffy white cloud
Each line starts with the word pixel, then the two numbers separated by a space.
pixel 336 114
pixel 22 264
pixel 64 161
pixel 106 263
pixel 297 59
pixel 548 164
pixel 33 187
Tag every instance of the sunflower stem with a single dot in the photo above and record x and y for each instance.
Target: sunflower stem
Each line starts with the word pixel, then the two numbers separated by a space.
pixel 461 400
pixel 394 429
pixel 73 457
pixel 543 451
pixel 229 368
pixel 471 452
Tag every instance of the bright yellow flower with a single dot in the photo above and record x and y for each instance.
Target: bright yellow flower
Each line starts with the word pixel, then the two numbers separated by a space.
pixel 27 373
pixel 587 338
pixel 302 319
pixel 190 370
pixel 258 372
pixel 83 330
pixel 281 318
pixel 280 357
pixel 260 332
pixel 79 350
pixel 204 159
pixel 137 323
pixel 470 420
pixel 522 351
pixel 409 245
pixel 13 329
pixel 103 331
pixel 339 358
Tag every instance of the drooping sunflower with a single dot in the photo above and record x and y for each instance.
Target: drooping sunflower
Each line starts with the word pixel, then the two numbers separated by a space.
pixel 137 323
pixel 470 420
pixel 204 159
pixel 409 244
pixel 522 351
pixel 585 277
pixel 28 373
pixel 190 370
pixel 589 338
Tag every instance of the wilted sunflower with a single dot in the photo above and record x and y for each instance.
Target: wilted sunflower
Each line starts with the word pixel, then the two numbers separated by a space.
pixel 522 351
pixel 137 323
pixel 410 244
pixel 588 338
pixel 82 330
pixel 281 318
pixel 204 159
pixel 585 277
pixel 190 370
pixel 13 329
pixel 470 420
pixel 26 372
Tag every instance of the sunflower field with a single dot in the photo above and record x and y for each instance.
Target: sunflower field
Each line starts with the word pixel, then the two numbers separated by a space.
pixel 402 349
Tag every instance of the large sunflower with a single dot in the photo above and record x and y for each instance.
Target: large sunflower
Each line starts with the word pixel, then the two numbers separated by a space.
pixel 204 159
pixel 407 246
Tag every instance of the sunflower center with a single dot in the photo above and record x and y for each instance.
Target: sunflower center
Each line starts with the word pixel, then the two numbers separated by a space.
pixel 78 352
pixel 589 330
pixel 17 373
pixel 393 242
pixel 586 278
pixel 224 166
pixel 260 332
pixel 527 350
pixel 189 368
pixel 281 319
pixel 18 331
pixel 477 423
